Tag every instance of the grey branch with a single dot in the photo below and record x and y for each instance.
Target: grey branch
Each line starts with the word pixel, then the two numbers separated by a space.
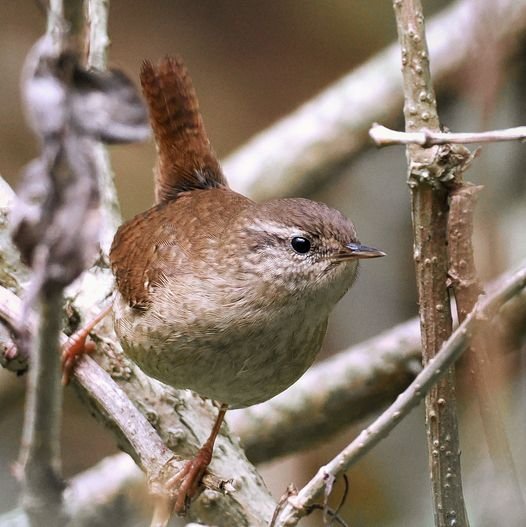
pixel 383 136
pixel 38 233
pixel 326 132
pixel 40 452
pixel 511 285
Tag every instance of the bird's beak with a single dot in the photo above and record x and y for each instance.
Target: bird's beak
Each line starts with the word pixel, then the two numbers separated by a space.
pixel 357 250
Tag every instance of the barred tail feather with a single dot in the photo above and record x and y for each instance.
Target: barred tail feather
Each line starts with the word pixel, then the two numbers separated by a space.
pixel 186 160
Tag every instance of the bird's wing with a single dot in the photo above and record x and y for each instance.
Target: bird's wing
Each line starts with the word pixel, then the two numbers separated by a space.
pixel 167 239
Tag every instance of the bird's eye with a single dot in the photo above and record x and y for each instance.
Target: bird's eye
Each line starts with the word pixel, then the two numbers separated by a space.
pixel 300 245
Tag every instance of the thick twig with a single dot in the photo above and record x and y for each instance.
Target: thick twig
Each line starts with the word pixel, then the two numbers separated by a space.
pixel 383 136
pixel 467 289
pixel 511 285
pixel 430 170
pixel 327 132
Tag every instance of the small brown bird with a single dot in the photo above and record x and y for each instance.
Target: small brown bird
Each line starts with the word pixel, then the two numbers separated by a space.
pixel 217 293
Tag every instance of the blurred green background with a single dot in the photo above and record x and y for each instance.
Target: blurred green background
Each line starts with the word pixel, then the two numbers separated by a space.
pixel 253 62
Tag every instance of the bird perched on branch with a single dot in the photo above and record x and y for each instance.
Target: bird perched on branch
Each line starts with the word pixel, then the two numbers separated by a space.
pixel 216 293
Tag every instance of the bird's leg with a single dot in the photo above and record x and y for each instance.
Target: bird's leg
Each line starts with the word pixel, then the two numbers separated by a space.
pixel 76 345
pixel 185 483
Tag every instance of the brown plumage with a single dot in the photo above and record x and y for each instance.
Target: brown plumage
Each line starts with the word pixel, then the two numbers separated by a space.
pixel 166 240
pixel 186 162
pixel 185 158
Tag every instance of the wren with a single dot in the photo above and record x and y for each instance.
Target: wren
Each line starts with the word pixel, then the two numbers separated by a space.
pixel 216 293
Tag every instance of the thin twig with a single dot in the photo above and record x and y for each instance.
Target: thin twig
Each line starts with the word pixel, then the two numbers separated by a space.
pixel 98 12
pixel 425 138
pixel 511 285
pixel 430 172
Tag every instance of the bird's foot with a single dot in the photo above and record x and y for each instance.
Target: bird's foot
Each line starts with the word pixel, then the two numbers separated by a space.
pixel 184 486
pixel 78 345
pixel 177 491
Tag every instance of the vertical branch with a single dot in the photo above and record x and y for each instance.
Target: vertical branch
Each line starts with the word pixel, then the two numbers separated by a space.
pixel 98 12
pixel 40 457
pixel 467 289
pixel 429 172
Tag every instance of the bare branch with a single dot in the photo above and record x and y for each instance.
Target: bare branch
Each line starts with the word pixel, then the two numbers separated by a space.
pixel 98 11
pixel 510 286
pixel 35 234
pixel 97 54
pixel 425 138
pixel 430 172
pixel 40 452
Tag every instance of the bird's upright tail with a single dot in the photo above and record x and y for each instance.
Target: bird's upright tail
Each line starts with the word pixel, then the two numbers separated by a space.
pixel 185 159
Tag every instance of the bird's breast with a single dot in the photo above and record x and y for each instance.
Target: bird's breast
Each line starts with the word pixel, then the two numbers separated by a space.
pixel 236 354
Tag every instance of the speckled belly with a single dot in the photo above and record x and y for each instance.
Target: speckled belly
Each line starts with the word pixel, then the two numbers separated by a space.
pixel 240 365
